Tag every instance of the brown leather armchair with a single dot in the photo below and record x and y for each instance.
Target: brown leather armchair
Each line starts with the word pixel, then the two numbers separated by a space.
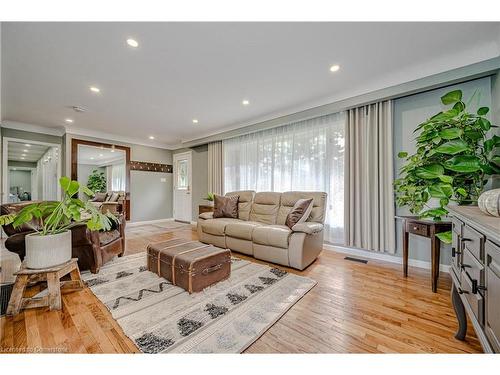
pixel 92 248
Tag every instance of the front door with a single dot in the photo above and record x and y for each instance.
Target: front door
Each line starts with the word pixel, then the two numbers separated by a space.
pixel 182 187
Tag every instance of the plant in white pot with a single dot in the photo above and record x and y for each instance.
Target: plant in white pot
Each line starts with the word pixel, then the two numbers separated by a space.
pixel 50 243
pixel 210 198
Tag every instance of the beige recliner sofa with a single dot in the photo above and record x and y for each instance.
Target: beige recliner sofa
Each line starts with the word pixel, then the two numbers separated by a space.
pixel 260 229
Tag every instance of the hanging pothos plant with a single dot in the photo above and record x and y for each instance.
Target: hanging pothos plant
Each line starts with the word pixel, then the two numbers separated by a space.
pixel 453 160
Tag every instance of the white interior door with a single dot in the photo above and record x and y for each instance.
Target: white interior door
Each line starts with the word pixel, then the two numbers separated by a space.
pixel 182 186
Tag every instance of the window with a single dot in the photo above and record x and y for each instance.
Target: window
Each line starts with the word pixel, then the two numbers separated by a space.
pixel 118 177
pixel 307 156
pixel 182 177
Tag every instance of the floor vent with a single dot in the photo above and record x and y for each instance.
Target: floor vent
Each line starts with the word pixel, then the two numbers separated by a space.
pixel 356 260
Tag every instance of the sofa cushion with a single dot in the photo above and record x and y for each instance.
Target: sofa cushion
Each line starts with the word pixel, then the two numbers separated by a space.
pixel 226 206
pixel 289 198
pixel 299 213
pixel 216 227
pixel 242 230
pixel 265 207
pixel 100 197
pixel 244 202
pixel 272 235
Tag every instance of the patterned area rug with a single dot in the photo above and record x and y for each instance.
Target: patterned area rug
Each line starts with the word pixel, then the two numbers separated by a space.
pixel 225 318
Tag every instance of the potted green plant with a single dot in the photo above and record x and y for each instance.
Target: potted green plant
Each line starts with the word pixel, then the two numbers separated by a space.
pixel 50 244
pixel 97 182
pixel 453 160
pixel 210 198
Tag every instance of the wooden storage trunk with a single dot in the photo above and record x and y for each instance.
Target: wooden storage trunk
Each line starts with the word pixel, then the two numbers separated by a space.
pixel 191 265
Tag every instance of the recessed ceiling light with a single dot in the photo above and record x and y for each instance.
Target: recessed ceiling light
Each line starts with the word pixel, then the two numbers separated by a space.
pixel 132 43
pixel 245 102
pixel 151 137
pixel 25 150
pixel 334 68
pixel 21 158
pixel 195 121
pixel 95 89
pixel 101 155
pixel 23 154
pixel 69 121
pixel 27 145
pixel 91 158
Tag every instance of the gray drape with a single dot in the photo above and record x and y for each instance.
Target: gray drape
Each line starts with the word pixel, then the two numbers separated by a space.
pixel 368 189
pixel 215 167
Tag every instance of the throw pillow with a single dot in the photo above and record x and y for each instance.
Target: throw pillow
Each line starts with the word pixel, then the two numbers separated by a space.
pixel 226 206
pixel 100 197
pixel 114 197
pixel 300 212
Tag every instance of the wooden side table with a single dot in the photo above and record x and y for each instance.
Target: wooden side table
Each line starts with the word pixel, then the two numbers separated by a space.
pixel 205 208
pixel 54 285
pixel 428 229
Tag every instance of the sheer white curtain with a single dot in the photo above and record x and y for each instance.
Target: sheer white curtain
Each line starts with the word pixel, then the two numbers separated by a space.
pixel 116 177
pixel 307 155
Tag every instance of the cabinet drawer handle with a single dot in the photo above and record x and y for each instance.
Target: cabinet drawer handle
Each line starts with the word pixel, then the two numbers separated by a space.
pixel 466 240
pixel 461 291
pixel 464 266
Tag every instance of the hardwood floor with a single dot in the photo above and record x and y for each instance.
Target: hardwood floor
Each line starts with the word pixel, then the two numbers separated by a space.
pixel 354 308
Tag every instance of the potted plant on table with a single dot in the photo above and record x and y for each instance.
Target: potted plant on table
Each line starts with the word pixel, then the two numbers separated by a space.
pixel 97 182
pixel 50 244
pixel 453 160
pixel 210 199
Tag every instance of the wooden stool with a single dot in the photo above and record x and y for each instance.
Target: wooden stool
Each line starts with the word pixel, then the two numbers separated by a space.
pixel 54 285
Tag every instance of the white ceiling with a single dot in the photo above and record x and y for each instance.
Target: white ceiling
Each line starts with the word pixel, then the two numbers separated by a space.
pixel 99 156
pixel 182 71
pixel 25 152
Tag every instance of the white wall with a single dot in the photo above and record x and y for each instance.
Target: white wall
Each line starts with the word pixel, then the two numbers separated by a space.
pixel 21 179
pixel 408 113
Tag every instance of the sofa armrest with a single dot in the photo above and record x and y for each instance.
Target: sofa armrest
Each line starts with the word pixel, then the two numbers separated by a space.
pixel 206 215
pixel 308 227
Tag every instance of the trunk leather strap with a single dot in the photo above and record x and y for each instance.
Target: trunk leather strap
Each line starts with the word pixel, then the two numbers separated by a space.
pixel 169 247
pixel 189 273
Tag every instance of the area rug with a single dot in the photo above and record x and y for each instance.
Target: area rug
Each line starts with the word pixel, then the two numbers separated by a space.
pixel 225 318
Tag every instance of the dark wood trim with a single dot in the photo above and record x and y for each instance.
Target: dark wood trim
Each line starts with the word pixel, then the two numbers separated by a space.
pixel 74 165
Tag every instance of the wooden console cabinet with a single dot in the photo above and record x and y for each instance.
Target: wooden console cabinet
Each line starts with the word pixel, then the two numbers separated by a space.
pixel 475 270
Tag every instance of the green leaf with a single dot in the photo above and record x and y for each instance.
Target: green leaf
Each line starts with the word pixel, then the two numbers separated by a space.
pixel 65 182
pixel 463 164
pixel 461 191
pixel 73 188
pixel 474 134
pixel 446 237
pixel 87 191
pixel 450 133
pixel 441 190
pixel 435 213
pixel 459 107
pixel 447 179
pixel 496 159
pixel 484 124
pixel 430 171
pixel 482 111
pixel 452 97
pixel 452 147
pixel 401 155
pixel 7 219
pixel 436 140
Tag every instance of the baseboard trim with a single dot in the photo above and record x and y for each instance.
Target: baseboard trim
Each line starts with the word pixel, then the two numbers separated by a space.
pixel 384 257
pixel 137 223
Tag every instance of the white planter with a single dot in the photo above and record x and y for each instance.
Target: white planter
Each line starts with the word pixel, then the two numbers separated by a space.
pixel 47 251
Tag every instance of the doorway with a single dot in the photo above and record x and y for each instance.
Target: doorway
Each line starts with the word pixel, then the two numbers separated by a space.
pixel 182 187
